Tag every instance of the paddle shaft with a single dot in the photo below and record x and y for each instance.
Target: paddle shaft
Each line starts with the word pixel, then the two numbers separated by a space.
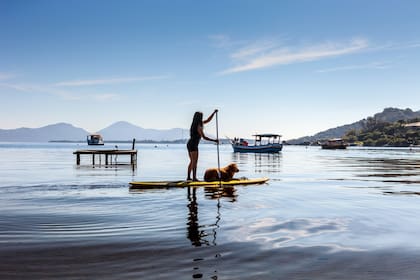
pixel 218 153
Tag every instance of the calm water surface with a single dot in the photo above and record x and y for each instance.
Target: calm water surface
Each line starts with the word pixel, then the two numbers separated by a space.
pixel 350 214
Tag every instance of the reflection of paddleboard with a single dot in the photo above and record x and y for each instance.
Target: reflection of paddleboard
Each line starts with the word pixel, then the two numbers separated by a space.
pixel 181 184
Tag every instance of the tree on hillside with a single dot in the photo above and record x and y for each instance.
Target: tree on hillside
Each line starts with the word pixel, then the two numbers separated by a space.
pixel 379 133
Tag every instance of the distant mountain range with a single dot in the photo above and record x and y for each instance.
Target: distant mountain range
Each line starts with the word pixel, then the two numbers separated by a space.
pixel 124 131
pixel 59 131
pixel 119 131
pixel 127 131
pixel 387 115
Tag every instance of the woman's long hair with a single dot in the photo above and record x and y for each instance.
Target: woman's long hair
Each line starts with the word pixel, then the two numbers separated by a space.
pixel 197 120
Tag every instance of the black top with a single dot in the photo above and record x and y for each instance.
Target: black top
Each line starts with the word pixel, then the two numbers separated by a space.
pixel 194 139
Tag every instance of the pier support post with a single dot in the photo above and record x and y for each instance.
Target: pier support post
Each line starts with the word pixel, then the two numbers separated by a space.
pixel 134 143
pixel 108 154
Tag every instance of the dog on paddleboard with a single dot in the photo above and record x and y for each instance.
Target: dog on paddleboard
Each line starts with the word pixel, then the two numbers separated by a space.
pixel 226 173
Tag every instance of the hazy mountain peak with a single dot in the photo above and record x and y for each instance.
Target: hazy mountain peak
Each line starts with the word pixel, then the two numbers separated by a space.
pixel 120 125
pixel 123 130
pixel 60 124
pixel 394 114
pixel 58 131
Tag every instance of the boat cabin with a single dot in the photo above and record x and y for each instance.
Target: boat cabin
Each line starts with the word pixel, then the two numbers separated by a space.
pixel 264 139
pixel 94 139
pixel 336 143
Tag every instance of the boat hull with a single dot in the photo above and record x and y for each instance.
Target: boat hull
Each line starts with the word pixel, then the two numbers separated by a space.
pixel 272 148
pixel 328 147
pixel 93 143
pixel 334 144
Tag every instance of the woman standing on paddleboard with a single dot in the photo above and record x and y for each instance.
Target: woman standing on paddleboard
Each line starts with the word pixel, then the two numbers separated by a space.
pixel 196 133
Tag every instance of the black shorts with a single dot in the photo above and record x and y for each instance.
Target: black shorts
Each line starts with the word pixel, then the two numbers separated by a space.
pixel 192 145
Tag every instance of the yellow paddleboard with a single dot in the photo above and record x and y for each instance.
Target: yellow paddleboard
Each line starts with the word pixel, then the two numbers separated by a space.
pixel 182 184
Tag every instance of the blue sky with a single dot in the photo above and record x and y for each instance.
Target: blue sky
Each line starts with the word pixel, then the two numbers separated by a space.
pixel 288 67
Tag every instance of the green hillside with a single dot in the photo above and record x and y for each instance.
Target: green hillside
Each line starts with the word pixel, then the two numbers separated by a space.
pixel 377 133
pixel 378 120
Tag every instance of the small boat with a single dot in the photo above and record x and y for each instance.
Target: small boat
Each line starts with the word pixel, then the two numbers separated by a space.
pixel 264 143
pixel 336 143
pixel 95 139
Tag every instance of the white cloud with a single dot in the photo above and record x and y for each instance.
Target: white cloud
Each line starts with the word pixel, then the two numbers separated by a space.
pixel 398 46
pixel 107 81
pixel 70 90
pixel 41 89
pixel 68 95
pixel 221 41
pixel 105 97
pixel 253 49
pixel 6 76
pixel 20 87
pixel 267 54
pixel 373 65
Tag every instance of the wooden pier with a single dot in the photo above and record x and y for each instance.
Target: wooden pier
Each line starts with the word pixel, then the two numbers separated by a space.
pixel 108 154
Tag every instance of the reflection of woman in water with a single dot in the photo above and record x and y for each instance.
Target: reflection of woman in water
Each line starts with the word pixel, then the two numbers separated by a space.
pixel 195 235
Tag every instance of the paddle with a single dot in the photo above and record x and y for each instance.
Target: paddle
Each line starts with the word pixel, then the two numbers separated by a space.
pixel 218 153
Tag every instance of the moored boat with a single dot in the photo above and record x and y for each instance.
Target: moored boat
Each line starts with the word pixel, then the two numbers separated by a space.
pixel 336 143
pixel 94 139
pixel 264 143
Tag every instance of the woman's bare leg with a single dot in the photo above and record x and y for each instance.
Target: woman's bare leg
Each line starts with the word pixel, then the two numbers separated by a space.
pixel 193 165
pixel 189 167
